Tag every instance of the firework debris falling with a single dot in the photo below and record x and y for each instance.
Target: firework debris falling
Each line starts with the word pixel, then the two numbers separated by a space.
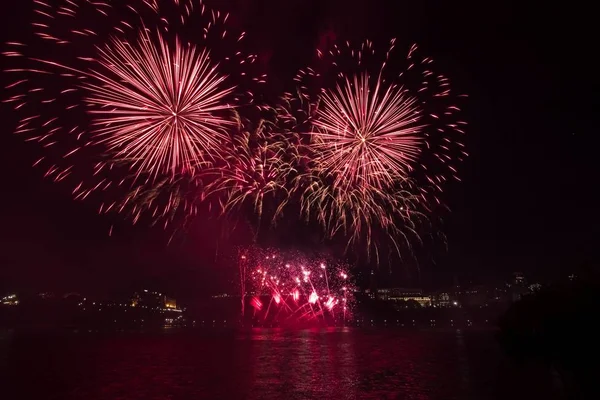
pixel 258 165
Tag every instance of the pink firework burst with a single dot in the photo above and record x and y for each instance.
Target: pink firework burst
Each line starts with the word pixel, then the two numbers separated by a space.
pixel 385 136
pixel 160 107
pixel 127 100
pixel 367 136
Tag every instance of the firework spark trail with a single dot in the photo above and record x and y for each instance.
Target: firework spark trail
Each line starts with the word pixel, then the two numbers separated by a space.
pixel 297 287
pixel 257 166
pixel 358 215
pixel 162 200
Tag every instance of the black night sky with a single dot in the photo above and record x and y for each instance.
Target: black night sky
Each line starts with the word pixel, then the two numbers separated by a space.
pixel 528 197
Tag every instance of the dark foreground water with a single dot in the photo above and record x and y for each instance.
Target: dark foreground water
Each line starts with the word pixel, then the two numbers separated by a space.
pixel 266 364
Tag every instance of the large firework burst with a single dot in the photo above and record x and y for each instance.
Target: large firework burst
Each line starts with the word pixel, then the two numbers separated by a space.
pixel 128 98
pixel 158 106
pixel 367 136
pixel 384 138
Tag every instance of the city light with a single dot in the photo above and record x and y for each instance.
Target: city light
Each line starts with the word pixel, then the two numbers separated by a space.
pixel 10 300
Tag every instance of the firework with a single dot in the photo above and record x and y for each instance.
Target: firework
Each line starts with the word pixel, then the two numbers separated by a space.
pixel 395 118
pixel 358 215
pixel 164 201
pixel 159 107
pixel 139 101
pixel 257 167
pixel 128 98
pixel 291 287
pixel 366 137
pixel 384 136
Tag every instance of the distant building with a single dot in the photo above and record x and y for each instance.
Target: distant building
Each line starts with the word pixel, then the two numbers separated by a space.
pixel 476 296
pixel 170 303
pixel 148 299
pixel 535 287
pixel 372 291
pixel 400 294
pixel 519 286
pixel 519 279
pixel 500 295
pixel 442 299
pixel 10 300
pixel 225 295
pixel 456 288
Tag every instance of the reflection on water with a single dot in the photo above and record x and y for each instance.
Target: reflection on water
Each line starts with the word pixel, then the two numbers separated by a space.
pixel 338 363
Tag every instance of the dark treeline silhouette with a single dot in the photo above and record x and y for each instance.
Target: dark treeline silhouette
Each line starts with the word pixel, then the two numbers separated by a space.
pixel 559 328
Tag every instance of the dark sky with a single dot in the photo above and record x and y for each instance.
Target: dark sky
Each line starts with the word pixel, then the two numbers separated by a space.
pixel 528 197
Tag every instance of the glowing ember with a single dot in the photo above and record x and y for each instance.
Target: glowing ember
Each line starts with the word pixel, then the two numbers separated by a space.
pixel 330 303
pixel 256 303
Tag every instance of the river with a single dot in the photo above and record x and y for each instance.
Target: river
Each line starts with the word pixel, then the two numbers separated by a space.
pixel 335 363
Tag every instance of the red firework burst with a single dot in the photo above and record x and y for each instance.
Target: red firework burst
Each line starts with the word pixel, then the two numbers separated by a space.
pixel 367 136
pixel 385 136
pixel 129 99
pixel 158 106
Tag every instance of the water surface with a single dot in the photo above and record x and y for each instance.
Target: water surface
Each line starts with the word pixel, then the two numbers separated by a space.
pixel 340 363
